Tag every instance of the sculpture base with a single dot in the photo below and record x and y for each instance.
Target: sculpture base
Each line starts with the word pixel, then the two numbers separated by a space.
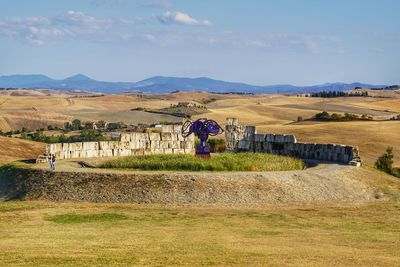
pixel 203 152
pixel 203 156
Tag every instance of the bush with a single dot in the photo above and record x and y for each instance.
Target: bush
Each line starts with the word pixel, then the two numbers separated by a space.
pixel 114 126
pixel 385 161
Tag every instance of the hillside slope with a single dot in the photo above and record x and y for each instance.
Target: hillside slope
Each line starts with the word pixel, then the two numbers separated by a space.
pixel 12 149
pixel 323 184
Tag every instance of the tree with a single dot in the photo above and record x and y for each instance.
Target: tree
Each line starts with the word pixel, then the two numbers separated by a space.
pixel 67 126
pixel 322 116
pixel 91 135
pixel 385 161
pixel 114 126
pixel 76 125
pixel 299 119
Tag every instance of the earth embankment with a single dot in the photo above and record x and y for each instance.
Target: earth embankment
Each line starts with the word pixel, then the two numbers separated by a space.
pixel 331 183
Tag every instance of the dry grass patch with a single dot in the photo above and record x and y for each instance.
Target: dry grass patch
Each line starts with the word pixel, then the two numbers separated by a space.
pixel 84 218
pixel 363 235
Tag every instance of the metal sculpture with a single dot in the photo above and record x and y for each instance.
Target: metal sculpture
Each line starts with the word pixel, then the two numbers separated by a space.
pixel 202 128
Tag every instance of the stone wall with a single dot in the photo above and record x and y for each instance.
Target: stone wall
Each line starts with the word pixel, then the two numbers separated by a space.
pixel 245 139
pixel 168 141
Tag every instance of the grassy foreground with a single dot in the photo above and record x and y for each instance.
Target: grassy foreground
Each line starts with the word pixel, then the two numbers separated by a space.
pixel 68 234
pixel 218 162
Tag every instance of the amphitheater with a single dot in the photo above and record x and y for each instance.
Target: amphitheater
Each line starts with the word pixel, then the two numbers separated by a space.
pixel 169 140
pixel 332 179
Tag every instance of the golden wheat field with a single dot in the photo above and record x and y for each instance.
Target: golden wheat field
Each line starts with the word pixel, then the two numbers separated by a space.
pixel 270 113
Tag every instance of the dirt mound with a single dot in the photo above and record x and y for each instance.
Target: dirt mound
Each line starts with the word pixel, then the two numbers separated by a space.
pixel 12 149
pixel 238 189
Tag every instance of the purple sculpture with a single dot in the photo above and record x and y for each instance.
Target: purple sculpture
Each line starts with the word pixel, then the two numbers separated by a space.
pixel 202 128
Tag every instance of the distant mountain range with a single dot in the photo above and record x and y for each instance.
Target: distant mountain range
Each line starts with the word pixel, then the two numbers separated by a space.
pixel 160 84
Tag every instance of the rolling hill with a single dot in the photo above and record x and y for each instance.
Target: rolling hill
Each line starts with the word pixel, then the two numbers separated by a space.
pixel 12 149
pixel 162 84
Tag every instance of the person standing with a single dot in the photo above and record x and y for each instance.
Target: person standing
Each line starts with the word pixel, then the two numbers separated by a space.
pixel 50 158
pixel 53 160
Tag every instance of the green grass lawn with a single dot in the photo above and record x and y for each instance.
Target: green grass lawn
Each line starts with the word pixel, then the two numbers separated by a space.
pixel 218 162
pixel 72 234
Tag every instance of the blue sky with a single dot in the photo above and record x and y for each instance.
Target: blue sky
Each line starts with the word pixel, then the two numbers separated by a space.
pixel 255 41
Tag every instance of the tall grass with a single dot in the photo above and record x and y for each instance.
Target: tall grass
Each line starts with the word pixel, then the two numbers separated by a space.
pixel 218 162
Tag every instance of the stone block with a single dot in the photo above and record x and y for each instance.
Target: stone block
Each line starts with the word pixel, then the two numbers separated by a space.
pixel 78 146
pixel 279 138
pixel 289 139
pixel 92 153
pixel 231 121
pixel 155 144
pixel 90 146
pixel 57 148
pixel 164 144
pixel 191 138
pixel 270 138
pixel 168 151
pixel 125 152
pixel 181 138
pixel 177 128
pixel 189 151
pixel 154 136
pixel 65 147
pixel 258 146
pixel 106 153
pixel 157 151
pixel 125 137
pixel 250 131
pixel 167 128
pixel 166 136
pixel 137 152
pixel 244 145
pixel 174 137
pixel 259 137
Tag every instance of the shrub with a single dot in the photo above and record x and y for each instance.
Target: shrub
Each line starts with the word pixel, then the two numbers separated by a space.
pixel 385 161
pixel 114 126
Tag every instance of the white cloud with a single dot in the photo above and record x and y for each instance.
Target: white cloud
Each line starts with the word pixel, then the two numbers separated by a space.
pixel 181 18
pixel 77 25
pixel 73 24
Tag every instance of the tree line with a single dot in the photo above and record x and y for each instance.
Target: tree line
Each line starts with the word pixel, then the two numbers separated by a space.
pixel 330 94
pixel 325 116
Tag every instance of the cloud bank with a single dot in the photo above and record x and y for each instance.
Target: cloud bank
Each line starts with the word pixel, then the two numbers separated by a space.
pixel 77 25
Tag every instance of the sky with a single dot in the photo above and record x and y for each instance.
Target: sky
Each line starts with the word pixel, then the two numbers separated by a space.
pixel 261 42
